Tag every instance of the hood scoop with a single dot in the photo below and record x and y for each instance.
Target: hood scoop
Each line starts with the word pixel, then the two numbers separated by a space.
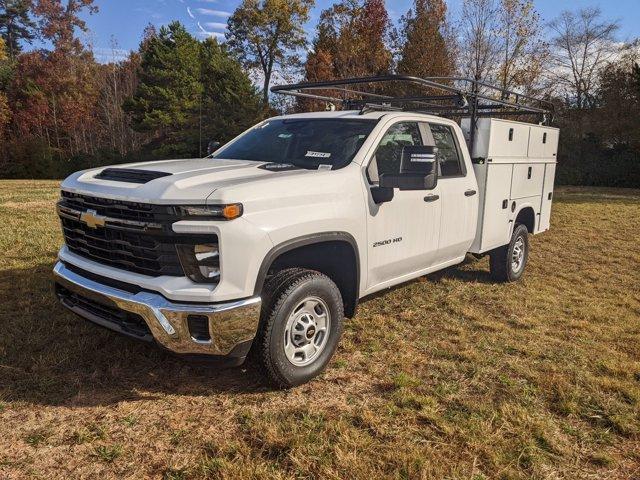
pixel 130 175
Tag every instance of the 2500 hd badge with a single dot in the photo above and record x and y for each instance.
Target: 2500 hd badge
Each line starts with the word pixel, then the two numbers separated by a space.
pixel 387 242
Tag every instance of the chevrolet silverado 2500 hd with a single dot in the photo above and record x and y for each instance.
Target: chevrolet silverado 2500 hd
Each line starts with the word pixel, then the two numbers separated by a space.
pixel 268 243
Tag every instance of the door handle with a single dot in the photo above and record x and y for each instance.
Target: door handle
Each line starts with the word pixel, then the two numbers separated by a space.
pixel 470 193
pixel 431 198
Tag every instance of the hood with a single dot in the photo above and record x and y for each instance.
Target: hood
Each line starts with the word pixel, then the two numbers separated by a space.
pixel 171 181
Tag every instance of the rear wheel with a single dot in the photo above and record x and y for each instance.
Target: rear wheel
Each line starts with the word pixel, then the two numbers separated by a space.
pixel 301 326
pixel 508 263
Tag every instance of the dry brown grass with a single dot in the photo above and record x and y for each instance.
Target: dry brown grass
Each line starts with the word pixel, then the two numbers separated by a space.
pixel 450 376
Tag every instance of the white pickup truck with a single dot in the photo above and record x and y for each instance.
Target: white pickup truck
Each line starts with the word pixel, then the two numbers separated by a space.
pixel 267 244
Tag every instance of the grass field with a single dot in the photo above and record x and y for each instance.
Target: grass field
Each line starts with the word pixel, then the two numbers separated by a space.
pixel 447 377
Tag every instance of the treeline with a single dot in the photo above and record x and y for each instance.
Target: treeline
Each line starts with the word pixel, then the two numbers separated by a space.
pixel 61 111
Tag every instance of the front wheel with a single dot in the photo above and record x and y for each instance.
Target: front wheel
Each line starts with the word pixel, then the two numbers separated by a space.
pixel 507 263
pixel 301 326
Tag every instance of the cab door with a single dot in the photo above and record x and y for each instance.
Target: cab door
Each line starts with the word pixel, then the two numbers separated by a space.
pixel 402 233
pixel 458 194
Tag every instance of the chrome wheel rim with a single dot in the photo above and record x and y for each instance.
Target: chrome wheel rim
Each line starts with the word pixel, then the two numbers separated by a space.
pixel 307 331
pixel 517 255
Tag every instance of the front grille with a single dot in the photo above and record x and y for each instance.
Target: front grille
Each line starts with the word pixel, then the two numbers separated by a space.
pixel 136 237
pixel 130 251
pixel 127 322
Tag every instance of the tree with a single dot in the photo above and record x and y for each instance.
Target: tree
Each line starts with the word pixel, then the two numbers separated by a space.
pixel 521 48
pixel 427 49
pixel 189 93
pixel 618 99
pixel 16 25
pixel 267 34
pixel 117 82
pixel 5 112
pixel 58 22
pixel 54 92
pixel 230 102
pixel 351 41
pixel 167 101
pixel 583 44
pixel 478 36
pixel 54 97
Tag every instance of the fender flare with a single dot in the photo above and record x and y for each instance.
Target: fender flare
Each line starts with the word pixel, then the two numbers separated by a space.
pixel 304 241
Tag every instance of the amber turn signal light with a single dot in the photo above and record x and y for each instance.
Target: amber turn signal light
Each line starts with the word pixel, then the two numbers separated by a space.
pixel 232 211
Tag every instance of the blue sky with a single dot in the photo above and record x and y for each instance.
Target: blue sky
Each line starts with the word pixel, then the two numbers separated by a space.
pixel 120 22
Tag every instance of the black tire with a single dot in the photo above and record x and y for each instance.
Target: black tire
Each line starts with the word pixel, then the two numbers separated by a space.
pixel 283 292
pixel 500 260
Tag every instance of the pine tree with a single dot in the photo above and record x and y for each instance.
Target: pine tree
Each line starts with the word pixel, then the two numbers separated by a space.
pixel 168 99
pixel 231 103
pixel 16 25
pixel 189 93
pixel 426 50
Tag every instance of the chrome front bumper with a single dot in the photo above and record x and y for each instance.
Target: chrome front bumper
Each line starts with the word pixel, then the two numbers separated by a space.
pixel 232 325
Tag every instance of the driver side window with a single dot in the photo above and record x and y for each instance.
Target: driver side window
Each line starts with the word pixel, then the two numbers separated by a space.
pixel 388 155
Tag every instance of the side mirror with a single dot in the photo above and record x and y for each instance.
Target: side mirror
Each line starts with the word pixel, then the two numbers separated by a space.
pixel 417 170
pixel 381 194
pixel 212 147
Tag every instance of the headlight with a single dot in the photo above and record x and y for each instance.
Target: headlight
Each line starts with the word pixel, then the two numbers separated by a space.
pixel 221 212
pixel 201 263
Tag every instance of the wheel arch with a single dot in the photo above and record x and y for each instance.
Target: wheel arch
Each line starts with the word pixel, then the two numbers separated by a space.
pixel 309 251
pixel 527 217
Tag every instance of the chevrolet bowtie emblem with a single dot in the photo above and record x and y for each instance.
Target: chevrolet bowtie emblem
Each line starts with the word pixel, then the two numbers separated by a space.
pixel 92 219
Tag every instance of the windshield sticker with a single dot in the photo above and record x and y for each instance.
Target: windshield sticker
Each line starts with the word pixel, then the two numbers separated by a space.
pixel 322 166
pixel 317 154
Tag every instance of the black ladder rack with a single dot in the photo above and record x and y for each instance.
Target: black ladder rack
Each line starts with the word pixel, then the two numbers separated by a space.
pixel 446 96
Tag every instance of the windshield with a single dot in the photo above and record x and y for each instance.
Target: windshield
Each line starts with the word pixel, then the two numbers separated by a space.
pixel 306 143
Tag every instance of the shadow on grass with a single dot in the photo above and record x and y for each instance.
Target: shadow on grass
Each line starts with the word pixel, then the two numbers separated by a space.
pixel 478 274
pixel 50 356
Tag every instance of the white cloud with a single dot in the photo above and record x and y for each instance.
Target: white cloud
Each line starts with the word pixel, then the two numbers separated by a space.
pixel 213 13
pixel 205 34
pixel 110 55
pixel 216 25
pixel 190 13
